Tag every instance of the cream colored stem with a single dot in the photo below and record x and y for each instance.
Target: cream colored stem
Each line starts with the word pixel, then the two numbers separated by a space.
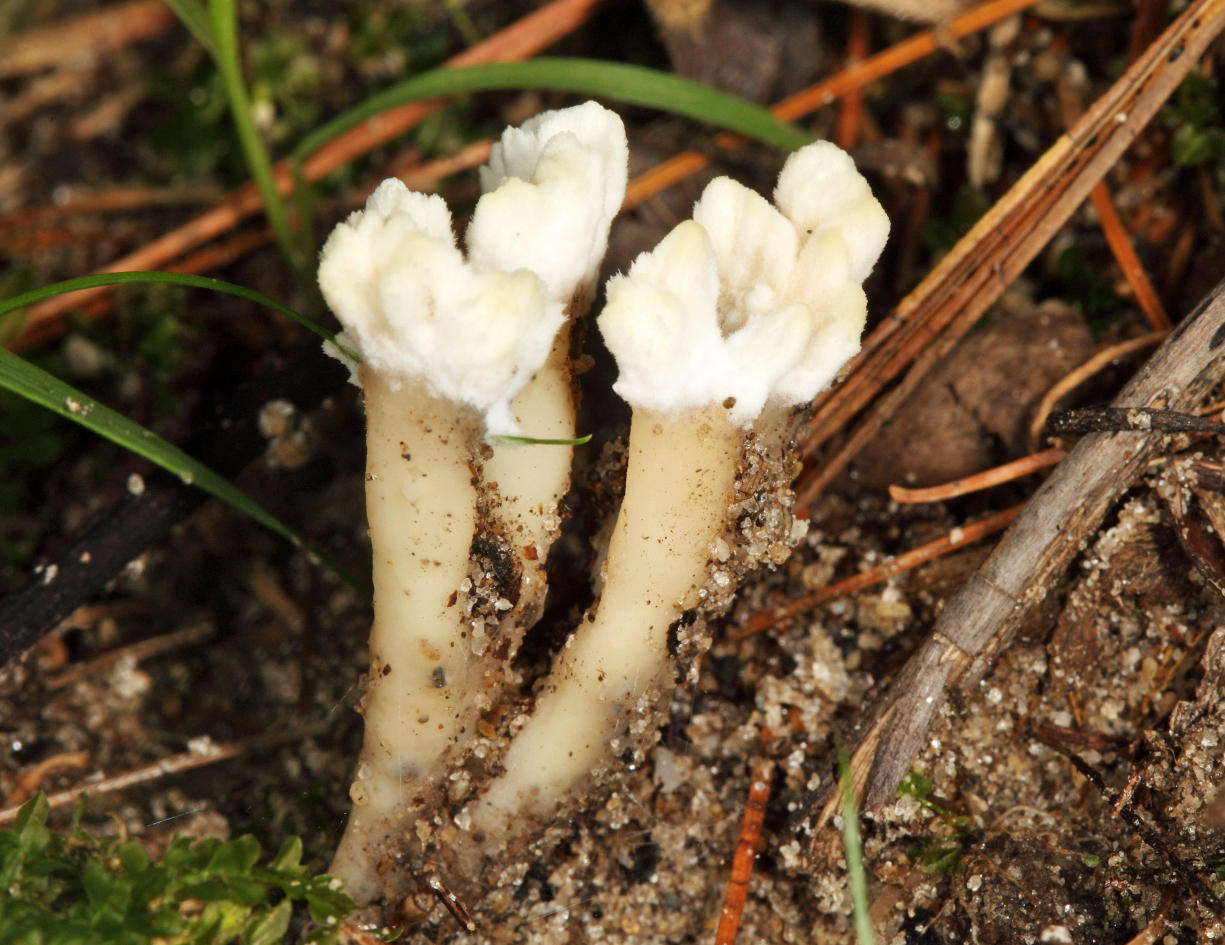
pixel 532 478
pixel 421 506
pixel 679 485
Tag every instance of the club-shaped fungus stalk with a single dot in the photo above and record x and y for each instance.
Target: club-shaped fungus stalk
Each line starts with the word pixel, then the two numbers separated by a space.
pixel 455 353
pixel 737 315
pixel 552 188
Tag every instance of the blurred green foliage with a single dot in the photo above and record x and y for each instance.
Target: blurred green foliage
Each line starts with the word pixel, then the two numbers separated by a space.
pixel 1088 287
pixel 942 852
pixel 284 82
pixel 193 136
pixel 941 233
pixel 1197 118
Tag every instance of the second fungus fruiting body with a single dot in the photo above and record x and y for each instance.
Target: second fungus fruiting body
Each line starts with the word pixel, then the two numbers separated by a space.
pixel 456 351
pixel 738 316
pixel 746 308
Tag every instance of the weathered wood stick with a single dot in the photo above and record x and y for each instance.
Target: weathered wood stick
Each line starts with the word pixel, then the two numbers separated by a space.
pixel 982 618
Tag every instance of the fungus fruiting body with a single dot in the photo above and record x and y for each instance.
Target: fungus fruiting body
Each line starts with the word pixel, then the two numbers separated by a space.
pixel 456 351
pixel 746 308
pixel 737 317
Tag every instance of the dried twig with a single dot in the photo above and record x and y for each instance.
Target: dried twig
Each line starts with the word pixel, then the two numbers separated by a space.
pixel 226 438
pixel 1143 419
pixel 957 538
pixel 1129 815
pixel 982 480
pixel 206 752
pixel 981 619
pixel 1078 375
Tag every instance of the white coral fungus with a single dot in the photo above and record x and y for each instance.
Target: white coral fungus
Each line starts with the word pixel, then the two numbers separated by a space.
pixel 552 187
pixel 475 331
pixel 747 301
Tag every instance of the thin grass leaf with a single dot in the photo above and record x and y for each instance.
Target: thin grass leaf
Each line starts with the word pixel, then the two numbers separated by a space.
pixel 864 934
pixel 191 14
pixel 224 20
pixel 611 80
pixel 545 441
pixel 174 278
pixel 24 379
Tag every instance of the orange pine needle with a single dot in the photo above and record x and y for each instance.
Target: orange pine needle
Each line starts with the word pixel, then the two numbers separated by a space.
pixel 981 480
pixel 850 115
pixel 78 38
pixel 425 177
pixel 1125 254
pixel 884 63
pixel 897 57
pixel 745 854
pixel 79 202
pixel 520 40
pixel 958 538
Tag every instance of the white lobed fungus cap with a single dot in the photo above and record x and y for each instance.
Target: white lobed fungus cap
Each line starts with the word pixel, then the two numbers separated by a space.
pixel 476 331
pixel 747 301
pixel 552 188
pixel 414 309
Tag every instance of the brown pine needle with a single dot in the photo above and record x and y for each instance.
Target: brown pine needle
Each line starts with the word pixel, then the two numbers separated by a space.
pixel 1125 254
pixel 982 480
pixel 209 753
pixel 31 779
pixel 957 538
pixel 80 38
pixel 135 652
pixel 1078 375
pixel 78 201
pixel 884 63
pixel 745 854
pixel 850 115
pixel 425 177
pixel 222 254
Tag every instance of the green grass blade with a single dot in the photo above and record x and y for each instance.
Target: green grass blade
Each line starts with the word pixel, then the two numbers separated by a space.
pixel 192 15
pixel 864 934
pixel 544 441
pixel 225 34
pixel 23 378
pixel 611 80
pixel 174 278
